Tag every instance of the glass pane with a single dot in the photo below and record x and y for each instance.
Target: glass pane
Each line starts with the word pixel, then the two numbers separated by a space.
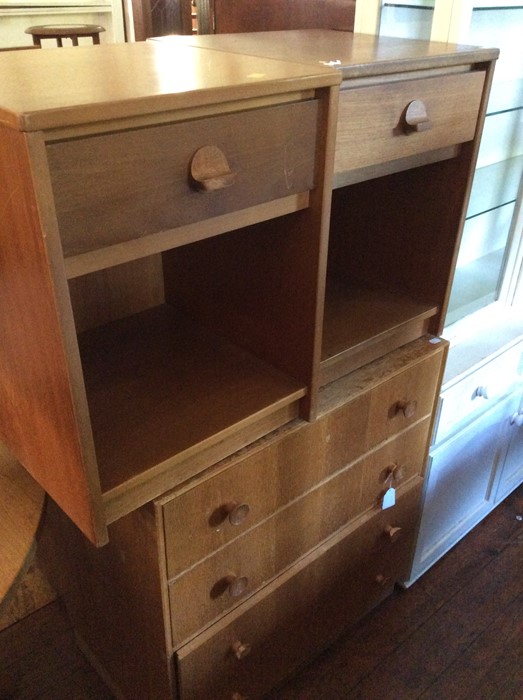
pixel 408 20
pixel 480 262
pixel 497 181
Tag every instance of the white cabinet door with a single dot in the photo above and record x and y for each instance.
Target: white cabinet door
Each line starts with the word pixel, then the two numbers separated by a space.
pixel 511 470
pixel 458 488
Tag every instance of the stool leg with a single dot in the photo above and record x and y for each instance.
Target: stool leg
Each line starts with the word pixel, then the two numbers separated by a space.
pixel 74 39
pixel 59 41
pixel 96 38
pixel 36 41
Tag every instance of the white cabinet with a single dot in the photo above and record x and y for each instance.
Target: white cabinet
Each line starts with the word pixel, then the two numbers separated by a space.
pixel 476 458
pixel 468 475
pixel 457 493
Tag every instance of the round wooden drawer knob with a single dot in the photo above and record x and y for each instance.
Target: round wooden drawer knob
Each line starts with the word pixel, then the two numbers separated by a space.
pixel 241 649
pixel 416 117
pixel 392 533
pixel 382 580
pixel 237 512
pixel 393 473
pixel 407 408
pixel 237 585
pixel 210 170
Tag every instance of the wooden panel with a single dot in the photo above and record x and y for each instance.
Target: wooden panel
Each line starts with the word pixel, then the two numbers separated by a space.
pixel 220 582
pixel 36 404
pixel 264 15
pixel 305 609
pixel 371 120
pixel 120 291
pixel 113 599
pixel 137 182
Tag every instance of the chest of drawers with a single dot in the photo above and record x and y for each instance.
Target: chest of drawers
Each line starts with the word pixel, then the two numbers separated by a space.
pixel 231 581
pixel 221 304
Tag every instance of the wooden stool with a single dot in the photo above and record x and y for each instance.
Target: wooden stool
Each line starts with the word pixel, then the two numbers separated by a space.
pixel 21 506
pixel 65 31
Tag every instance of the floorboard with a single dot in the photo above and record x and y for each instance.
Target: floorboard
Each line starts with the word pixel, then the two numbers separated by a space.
pixel 455 634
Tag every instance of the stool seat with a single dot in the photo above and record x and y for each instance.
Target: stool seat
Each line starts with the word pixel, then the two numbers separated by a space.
pixel 21 507
pixel 65 31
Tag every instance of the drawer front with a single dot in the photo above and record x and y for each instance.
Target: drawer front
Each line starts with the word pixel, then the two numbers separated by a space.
pixel 258 644
pixel 393 406
pixel 479 391
pixel 115 187
pixel 372 126
pixel 214 512
pixel 221 581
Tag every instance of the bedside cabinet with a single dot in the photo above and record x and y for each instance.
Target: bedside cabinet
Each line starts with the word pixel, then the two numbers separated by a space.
pixel 231 343
pixel 140 339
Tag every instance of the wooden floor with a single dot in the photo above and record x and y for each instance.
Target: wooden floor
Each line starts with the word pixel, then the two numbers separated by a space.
pixel 456 634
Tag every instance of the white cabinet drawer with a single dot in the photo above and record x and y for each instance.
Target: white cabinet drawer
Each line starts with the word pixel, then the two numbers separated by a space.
pixel 478 391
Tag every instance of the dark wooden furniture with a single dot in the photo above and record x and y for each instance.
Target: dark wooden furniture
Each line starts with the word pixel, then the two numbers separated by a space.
pixel 267 15
pixel 233 367
pixel 59 32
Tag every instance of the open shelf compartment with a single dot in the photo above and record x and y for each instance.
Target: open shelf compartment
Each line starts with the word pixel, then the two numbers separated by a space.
pixel 159 391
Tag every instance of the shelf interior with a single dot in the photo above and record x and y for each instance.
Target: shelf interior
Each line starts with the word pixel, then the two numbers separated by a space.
pixel 360 324
pixel 159 390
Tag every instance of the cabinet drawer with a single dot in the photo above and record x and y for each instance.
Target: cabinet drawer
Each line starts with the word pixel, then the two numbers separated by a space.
pixel 372 125
pixel 114 187
pixel 392 406
pixel 220 581
pixel 249 487
pixel 479 391
pixel 262 641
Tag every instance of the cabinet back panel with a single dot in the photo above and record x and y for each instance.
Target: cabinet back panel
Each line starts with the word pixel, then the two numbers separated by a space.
pixel 124 290
pixel 258 287
pixel 400 232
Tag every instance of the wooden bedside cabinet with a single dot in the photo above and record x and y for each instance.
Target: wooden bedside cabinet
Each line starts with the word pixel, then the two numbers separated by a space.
pixel 228 284
pixel 135 345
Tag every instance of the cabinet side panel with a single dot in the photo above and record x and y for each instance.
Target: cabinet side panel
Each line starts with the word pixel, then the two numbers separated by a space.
pixel 37 417
pixel 113 597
